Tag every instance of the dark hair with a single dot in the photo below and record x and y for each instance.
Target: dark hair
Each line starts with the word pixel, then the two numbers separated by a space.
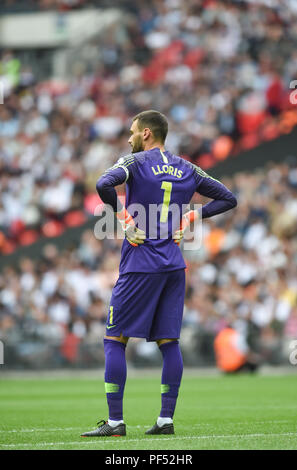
pixel 155 121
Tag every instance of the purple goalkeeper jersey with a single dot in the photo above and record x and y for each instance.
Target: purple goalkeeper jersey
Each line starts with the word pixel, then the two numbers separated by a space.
pixel 163 181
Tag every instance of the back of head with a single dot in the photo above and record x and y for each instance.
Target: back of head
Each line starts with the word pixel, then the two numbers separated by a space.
pixel 155 121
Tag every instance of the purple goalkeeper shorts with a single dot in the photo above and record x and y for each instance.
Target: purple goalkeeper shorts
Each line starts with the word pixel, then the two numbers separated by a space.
pixel 147 305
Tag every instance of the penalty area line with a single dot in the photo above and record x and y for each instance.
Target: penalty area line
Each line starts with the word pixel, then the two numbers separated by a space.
pixel 152 439
pixel 138 426
pixel 59 429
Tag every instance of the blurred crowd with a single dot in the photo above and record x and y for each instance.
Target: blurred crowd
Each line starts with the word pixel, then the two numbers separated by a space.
pixel 220 71
pixel 244 275
pixel 13 6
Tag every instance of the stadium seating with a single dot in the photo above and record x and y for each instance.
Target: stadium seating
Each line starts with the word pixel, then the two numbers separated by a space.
pixel 58 136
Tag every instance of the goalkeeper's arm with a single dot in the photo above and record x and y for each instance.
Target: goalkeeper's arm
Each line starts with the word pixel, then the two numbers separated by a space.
pixel 105 188
pixel 223 200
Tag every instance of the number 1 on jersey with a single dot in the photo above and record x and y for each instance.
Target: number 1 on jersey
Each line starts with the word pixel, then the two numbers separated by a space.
pixel 167 186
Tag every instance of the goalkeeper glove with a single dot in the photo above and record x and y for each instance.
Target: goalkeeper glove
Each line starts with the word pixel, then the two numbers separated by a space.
pixel 187 218
pixel 134 235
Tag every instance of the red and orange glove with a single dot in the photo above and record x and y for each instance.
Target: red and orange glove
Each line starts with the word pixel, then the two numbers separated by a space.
pixel 187 219
pixel 134 235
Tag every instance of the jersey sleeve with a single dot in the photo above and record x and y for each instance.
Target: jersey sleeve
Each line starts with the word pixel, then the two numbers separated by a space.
pixel 127 163
pixel 114 176
pixel 223 198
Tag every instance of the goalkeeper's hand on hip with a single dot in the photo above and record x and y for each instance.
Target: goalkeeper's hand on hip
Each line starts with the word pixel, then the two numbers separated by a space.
pixel 134 235
pixel 187 218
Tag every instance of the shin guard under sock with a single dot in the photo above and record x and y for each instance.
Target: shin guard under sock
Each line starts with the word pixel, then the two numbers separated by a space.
pixel 171 377
pixel 115 377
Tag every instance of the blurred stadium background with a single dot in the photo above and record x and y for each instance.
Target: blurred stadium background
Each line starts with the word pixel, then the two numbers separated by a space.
pixel 73 73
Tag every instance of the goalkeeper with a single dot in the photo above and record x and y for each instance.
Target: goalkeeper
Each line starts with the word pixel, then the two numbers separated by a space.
pixel 148 298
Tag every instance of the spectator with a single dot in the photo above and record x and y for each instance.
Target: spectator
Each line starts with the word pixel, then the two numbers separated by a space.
pixel 220 70
pixel 250 276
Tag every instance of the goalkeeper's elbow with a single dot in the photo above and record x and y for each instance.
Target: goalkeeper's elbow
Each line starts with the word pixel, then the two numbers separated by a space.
pixel 232 201
pixel 101 187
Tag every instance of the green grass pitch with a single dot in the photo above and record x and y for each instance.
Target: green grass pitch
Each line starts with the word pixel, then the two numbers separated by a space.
pixel 217 412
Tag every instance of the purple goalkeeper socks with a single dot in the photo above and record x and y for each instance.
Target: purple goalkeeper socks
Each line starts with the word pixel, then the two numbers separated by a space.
pixel 171 377
pixel 115 377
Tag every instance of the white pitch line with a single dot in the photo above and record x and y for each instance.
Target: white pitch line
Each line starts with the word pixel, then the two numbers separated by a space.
pixel 174 438
pixel 37 430
pixel 251 423
pixel 61 429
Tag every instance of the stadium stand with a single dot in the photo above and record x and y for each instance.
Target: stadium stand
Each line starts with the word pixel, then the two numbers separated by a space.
pixel 57 135
pixel 244 273
pixel 222 97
